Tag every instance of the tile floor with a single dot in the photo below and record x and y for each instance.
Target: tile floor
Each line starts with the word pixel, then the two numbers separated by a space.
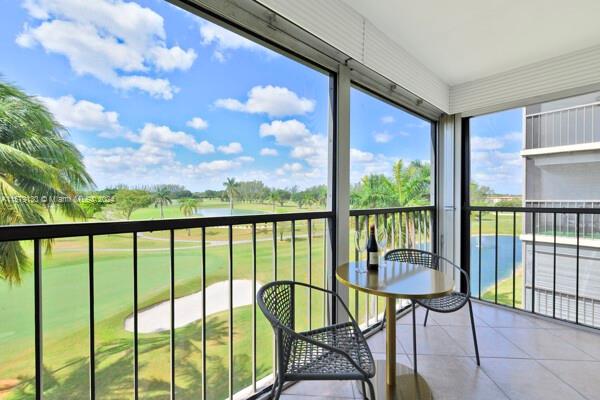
pixel 522 357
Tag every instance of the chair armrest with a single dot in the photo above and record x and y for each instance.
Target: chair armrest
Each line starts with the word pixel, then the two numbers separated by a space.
pixel 461 271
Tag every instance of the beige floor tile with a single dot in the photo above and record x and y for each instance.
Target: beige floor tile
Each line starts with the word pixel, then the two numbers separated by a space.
pixel 542 344
pixel 457 318
pixel 581 375
pixel 323 389
pixel 377 343
pixel 500 318
pixel 527 379
pixel 430 340
pixel 491 343
pixel 459 378
pixel 588 342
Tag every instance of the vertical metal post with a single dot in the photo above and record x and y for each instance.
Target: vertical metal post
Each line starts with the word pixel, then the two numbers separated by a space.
pixel 136 369
pixel 172 292
pixel 554 268
pixel 514 258
pixel 293 228
pixel 274 231
pixel 480 248
pixel 230 305
pixel 496 264
pixel 339 184
pixel 92 317
pixel 254 307
pixel 533 225
pixel 39 339
pixel 203 272
pixel 577 272
pixel 356 260
pixel 309 251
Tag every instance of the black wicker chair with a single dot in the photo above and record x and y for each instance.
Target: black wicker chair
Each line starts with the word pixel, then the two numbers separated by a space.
pixel 446 304
pixel 336 352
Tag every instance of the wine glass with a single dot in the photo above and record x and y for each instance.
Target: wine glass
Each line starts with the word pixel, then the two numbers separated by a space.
pixel 360 243
pixel 381 236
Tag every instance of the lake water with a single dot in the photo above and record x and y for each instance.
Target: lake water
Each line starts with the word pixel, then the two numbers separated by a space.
pixel 225 212
pixel 488 260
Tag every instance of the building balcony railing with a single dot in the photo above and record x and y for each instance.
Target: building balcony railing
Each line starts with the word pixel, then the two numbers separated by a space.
pixel 547 270
pixel 564 127
pixel 565 227
pixel 192 314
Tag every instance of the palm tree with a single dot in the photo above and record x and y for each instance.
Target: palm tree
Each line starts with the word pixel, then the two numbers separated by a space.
pixel 162 197
pixel 374 191
pixel 189 207
pixel 36 163
pixel 231 189
pixel 412 182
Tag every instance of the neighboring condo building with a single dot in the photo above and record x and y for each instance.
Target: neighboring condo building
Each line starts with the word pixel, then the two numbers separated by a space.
pixel 561 153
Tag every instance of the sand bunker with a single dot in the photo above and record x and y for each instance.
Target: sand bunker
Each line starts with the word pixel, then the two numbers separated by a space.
pixel 188 309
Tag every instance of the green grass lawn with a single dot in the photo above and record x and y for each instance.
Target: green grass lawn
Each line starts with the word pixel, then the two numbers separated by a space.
pixel 505 290
pixel 66 312
pixel 488 223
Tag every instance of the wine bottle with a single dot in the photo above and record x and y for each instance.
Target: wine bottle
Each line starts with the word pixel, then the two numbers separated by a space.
pixel 372 251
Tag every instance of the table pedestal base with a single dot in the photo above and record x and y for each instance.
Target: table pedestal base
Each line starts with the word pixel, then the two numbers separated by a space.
pixel 408 385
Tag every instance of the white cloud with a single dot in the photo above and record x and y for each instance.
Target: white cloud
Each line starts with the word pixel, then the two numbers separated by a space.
pixel 162 136
pixel 289 168
pixel 306 146
pixel 174 58
pixel 360 156
pixel 245 159
pixel 231 148
pixel 382 137
pixel 225 40
pixel 83 115
pixel 266 151
pixel 197 123
pixel 117 42
pixel 274 101
pixel 388 119
pixel 514 136
pixel 212 167
pixel 288 132
pixel 365 163
pixel 479 143
pixel 498 169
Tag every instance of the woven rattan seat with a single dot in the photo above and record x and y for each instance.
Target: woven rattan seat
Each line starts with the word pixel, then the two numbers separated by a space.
pixel 452 302
pixel 314 361
pixel 335 352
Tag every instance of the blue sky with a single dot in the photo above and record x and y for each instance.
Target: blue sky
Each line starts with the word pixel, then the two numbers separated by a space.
pixel 152 94
pixel 496 140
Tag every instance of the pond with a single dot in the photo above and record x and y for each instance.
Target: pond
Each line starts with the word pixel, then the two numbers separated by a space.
pixel 488 260
pixel 225 212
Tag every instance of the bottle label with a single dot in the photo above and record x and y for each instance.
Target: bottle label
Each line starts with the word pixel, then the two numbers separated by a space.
pixel 373 258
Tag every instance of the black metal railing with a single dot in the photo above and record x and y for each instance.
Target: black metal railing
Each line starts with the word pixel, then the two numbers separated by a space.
pixel 301 227
pixel 280 246
pixel 407 227
pixel 519 262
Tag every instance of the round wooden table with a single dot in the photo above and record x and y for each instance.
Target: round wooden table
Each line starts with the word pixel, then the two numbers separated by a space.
pixel 395 280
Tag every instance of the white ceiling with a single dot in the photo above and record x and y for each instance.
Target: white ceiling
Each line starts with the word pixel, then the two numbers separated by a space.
pixel 465 40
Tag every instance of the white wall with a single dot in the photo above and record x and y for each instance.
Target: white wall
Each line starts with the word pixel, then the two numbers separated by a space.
pixel 568 75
